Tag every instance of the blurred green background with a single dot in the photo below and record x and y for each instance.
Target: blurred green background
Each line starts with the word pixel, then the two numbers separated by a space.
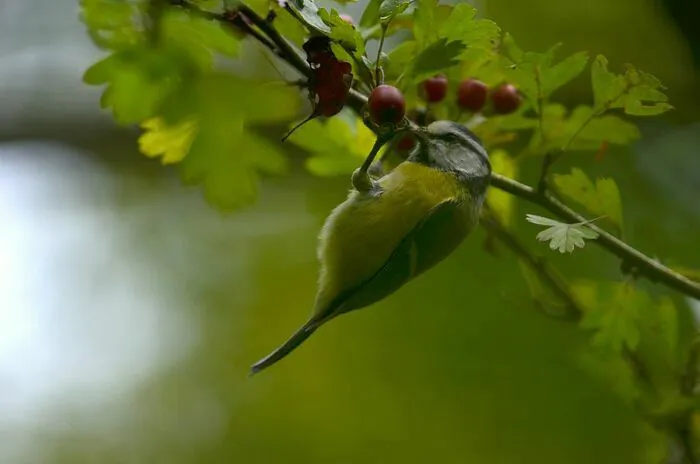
pixel 131 310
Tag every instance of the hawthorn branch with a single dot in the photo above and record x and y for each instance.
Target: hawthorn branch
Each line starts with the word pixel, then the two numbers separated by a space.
pixel 680 444
pixel 632 258
pixel 635 259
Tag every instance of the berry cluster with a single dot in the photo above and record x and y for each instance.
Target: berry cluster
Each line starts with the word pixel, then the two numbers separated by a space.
pixel 473 95
pixel 387 104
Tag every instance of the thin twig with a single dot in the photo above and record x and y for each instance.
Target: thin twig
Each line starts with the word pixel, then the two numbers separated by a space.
pixel 287 51
pixel 236 21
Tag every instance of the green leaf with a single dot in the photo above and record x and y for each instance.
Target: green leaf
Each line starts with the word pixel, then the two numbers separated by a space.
pixel 537 290
pixel 390 9
pixel 615 319
pixel 666 325
pixel 255 102
pixel 609 128
pixel 400 59
pixel 535 76
pixel 607 87
pixel 170 143
pixel 370 16
pixel 225 158
pixel 343 32
pixel 614 371
pixel 563 72
pixel 198 35
pixel 561 236
pixel 502 203
pixel 113 24
pixel 475 33
pixel 511 48
pixel 424 22
pixel 559 128
pixel 308 13
pixel 639 93
pixel 290 28
pixel 602 199
pixel 437 57
pixel 337 146
pixel 138 80
pixel 216 139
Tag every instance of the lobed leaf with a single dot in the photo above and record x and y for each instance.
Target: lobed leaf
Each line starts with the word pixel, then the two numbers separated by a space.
pixel 337 146
pixel 535 75
pixel 171 143
pixel 113 24
pixel 138 80
pixel 437 57
pixel 615 318
pixel 561 236
pixel 589 130
pixel 370 15
pixel 424 22
pixel 602 199
pixel 199 36
pixel 308 13
pixel 214 137
pixel 463 25
pixel 390 9
pixel 637 92
pixel 343 32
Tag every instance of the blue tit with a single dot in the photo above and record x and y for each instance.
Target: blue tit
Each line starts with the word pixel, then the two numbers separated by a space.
pixel 391 230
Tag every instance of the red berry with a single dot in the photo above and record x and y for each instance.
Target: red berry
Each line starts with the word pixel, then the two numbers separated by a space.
pixel 386 104
pixel 435 88
pixel 347 18
pixel 472 94
pixel 406 143
pixel 506 99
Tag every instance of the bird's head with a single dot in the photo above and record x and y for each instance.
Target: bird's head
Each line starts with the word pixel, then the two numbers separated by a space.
pixel 451 147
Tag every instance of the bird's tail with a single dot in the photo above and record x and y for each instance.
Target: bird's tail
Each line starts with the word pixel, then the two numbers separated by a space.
pixel 287 347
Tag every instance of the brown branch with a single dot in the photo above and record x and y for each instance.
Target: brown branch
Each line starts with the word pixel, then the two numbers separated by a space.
pixel 644 265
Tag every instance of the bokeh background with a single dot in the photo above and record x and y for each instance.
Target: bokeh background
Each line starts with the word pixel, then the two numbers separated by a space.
pixel 130 310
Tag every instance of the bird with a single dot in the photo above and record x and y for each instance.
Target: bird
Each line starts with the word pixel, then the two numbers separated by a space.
pixel 393 229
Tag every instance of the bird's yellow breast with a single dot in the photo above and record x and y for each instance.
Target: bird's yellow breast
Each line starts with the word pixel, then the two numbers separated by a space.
pixel 361 233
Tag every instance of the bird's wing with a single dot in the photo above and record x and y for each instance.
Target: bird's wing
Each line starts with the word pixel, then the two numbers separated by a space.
pixel 428 243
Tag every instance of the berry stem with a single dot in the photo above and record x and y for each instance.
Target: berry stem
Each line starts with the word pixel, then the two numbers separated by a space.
pixel 380 79
pixel 378 144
